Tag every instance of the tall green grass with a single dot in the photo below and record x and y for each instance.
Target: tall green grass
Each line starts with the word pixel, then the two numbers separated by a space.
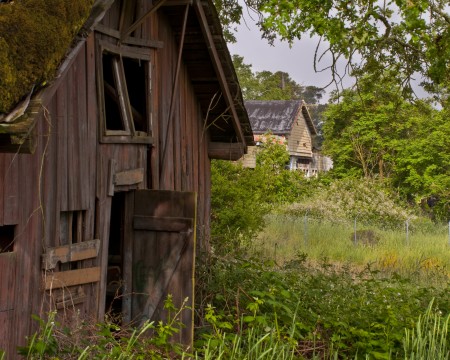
pixel 424 251
pixel 429 340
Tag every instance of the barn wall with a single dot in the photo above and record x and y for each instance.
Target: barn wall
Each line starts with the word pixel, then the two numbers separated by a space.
pixel 36 189
pixel 186 166
pixel 69 173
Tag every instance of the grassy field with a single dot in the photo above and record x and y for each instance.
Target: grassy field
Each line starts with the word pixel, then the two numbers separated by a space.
pixel 423 251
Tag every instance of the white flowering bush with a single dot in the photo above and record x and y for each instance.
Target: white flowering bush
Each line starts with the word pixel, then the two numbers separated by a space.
pixel 369 201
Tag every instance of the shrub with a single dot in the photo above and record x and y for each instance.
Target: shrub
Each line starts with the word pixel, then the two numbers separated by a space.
pixel 241 197
pixel 369 201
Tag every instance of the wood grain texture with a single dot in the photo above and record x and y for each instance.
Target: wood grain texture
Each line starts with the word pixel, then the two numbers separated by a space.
pixel 68 278
pixel 75 252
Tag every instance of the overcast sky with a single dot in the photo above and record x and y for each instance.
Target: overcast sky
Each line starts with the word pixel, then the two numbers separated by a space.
pixel 297 61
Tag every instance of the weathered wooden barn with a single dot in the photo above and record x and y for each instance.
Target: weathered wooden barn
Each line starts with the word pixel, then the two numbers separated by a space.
pixel 288 120
pixel 105 177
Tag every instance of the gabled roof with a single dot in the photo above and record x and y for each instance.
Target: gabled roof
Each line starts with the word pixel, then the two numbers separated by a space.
pixel 277 116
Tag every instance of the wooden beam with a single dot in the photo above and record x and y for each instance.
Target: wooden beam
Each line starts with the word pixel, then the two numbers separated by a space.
pixel 225 151
pixel 156 5
pixel 178 2
pixel 62 279
pixel 168 224
pixel 219 69
pixel 129 39
pixel 75 252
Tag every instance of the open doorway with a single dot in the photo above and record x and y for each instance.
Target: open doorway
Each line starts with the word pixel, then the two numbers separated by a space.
pixel 114 289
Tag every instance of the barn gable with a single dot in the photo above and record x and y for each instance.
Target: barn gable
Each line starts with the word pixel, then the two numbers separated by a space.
pixel 105 186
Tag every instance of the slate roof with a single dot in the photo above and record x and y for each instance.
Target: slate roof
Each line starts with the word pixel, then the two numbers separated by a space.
pixel 277 116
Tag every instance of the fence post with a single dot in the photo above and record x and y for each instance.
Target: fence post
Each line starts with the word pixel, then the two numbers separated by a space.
pixel 449 232
pixel 355 240
pixel 407 232
pixel 305 229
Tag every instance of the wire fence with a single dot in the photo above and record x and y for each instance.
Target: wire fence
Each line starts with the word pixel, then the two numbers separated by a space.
pixel 284 236
pixel 366 233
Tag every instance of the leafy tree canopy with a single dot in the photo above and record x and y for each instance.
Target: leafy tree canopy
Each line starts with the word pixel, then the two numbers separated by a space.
pixel 241 197
pixel 374 132
pixel 266 85
pixel 409 36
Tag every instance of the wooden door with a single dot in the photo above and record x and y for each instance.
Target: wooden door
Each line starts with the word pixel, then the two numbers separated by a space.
pixel 159 256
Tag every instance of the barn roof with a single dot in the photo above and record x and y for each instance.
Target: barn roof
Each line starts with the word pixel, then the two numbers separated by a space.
pixel 277 116
pixel 30 60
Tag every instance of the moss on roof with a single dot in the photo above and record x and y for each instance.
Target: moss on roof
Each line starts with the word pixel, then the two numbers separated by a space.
pixel 34 37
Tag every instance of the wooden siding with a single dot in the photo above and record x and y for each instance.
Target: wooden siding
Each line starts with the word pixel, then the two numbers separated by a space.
pixel 299 139
pixel 70 172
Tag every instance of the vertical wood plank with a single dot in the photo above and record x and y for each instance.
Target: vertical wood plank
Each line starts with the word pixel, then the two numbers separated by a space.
pixel 194 123
pixel 92 131
pixel 73 138
pixel 156 116
pixel 61 118
pixel 90 290
pixel 103 219
pixel 6 340
pixel 50 189
pixel 7 282
pixel 177 136
pixel 2 187
pixel 128 257
pixel 81 121
pixel 11 195
pixel 184 105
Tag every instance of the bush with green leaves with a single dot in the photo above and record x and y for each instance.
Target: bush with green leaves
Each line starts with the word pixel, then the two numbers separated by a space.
pixel 241 197
pixel 370 201
pixel 322 309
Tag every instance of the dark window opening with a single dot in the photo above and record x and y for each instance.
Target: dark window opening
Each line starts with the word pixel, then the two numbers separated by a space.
pixel 7 238
pixel 303 161
pixel 113 303
pixel 125 94
pixel 136 75
pixel 113 115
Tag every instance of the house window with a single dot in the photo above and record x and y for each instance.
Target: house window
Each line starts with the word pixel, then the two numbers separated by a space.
pixel 124 76
pixel 7 238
